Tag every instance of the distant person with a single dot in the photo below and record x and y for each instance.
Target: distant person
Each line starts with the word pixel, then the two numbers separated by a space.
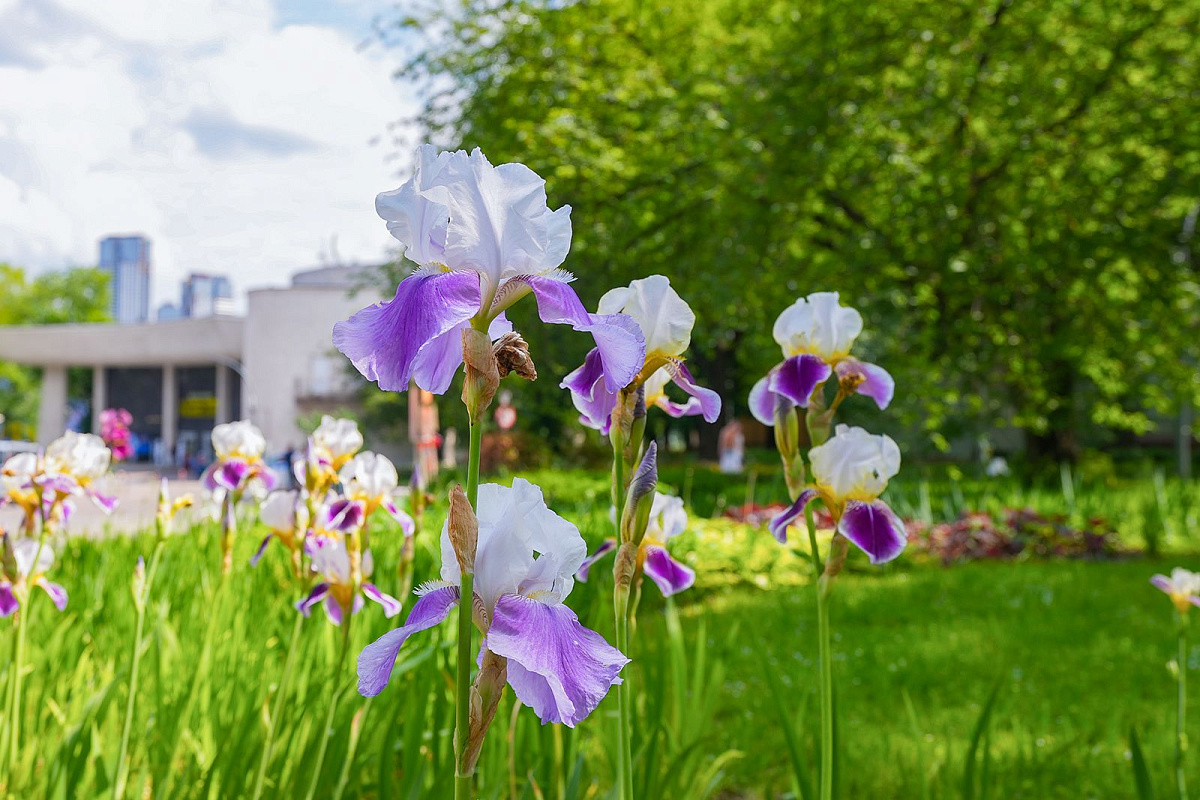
pixel 731 445
pixel 450 449
pixel 423 432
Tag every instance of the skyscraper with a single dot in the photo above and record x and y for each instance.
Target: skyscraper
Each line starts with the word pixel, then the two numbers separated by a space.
pixel 206 295
pixel 127 260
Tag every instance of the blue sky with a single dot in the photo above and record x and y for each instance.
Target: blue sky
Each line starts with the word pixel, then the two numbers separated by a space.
pixel 248 137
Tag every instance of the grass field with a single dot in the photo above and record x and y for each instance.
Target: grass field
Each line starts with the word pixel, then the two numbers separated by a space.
pixel 1076 653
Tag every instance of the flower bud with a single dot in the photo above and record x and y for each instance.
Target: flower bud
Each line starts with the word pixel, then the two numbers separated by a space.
pixel 139 583
pixel 486 693
pixel 625 566
pixel 482 375
pixel 640 497
pixel 512 355
pixel 463 530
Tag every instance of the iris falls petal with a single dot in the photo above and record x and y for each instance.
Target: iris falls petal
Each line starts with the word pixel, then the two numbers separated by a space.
pixel 376 660
pixel 875 528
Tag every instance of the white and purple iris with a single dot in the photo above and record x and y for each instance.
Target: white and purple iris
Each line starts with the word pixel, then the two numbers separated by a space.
pixel 239 448
pixel 1183 587
pixel 371 479
pixel 337 439
pixel 816 334
pixel 26 563
pixel 850 471
pixel 285 514
pixel 525 565
pixel 665 322
pixel 335 592
pixel 668 519
pixel 482 238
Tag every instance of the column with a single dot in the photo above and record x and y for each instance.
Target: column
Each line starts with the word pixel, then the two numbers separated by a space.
pixel 170 407
pixel 222 392
pixel 52 411
pixel 99 395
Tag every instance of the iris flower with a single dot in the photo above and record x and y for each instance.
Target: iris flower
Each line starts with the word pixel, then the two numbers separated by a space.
pixel 337 439
pixel 331 562
pixel 285 514
pixel 665 322
pixel 73 464
pixel 816 334
pixel 26 562
pixel 239 448
pixel 668 519
pixel 371 479
pixel 1183 587
pixel 482 238
pixel 849 473
pixel 525 565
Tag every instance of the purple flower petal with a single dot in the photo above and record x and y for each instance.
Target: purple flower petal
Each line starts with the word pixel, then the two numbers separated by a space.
pixel 269 481
pixel 798 377
pixel 876 384
pixel 391 606
pixel 262 548
pixel 604 549
pixel 704 401
pixel 317 594
pixel 384 341
pixel 343 515
pixel 670 576
pixel 780 522
pixel 230 474
pixel 1162 582
pixel 762 401
pixel 376 660
pixel 406 522
pixel 556 666
pixel 334 611
pixel 590 394
pixel 618 338
pixel 58 595
pixel 8 600
pixel 875 528
pixel 57 482
pixel 106 503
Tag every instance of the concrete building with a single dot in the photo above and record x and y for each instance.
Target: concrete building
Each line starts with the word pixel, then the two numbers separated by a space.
pixel 179 378
pixel 127 260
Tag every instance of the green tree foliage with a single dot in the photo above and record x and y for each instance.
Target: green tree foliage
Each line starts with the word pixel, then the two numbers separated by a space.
pixel 1000 189
pixel 80 294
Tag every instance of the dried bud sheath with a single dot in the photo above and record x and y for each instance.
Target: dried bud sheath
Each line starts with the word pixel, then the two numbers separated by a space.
pixel 625 566
pixel 463 530
pixel 512 355
pixel 485 699
pixel 482 375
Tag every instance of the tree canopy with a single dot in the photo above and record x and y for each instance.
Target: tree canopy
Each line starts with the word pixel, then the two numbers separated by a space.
pixel 1000 190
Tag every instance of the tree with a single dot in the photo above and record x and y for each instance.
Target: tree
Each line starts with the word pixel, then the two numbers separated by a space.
pixel 1000 190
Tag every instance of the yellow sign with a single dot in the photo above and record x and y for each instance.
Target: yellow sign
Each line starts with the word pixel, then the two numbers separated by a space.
pixel 198 407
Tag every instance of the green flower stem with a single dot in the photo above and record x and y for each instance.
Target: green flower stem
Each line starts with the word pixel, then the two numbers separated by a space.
pixel 466 592
pixel 335 697
pixel 621 614
pixel 135 664
pixel 1181 710
pixel 824 650
pixel 289 664
pixel 14 731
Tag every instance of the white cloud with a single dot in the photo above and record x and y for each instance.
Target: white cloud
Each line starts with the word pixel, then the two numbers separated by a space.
pixel 236 144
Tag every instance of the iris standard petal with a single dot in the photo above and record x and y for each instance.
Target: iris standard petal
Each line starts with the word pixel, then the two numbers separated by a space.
pixel 556 666
pixel 670 576
pixel 604 549
pixel 780 522
pixel 875 528
pixel 618 338
pixel 384 340
pixel 376 660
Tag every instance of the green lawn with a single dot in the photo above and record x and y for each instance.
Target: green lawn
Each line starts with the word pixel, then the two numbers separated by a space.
pixel 1078 651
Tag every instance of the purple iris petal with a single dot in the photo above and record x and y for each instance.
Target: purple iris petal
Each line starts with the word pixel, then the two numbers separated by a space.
pixel 269 481
pixel 603 550
pixel 556 666
pixel 406 522
pixel 8 600
pixel 384 341
pixel 391 606
pixel 780 522
pixel 875 528
pixel 618 338
pixel 334 610
pixel 798 377
pixel 317 594
pixel 56 482
pixel 376 660
pixel 762 401
pixel 262 548
pixel 1162 582
pixel 877 383
pixel 708 402
pixel 671 576
pixel 590 394
pixel 344 515
pixel 106 503
pixel 58 595
pixel 230 474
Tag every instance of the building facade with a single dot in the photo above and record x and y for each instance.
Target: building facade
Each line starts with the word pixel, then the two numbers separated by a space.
pixel 206 295
pixel 127 260
pixel 178 378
